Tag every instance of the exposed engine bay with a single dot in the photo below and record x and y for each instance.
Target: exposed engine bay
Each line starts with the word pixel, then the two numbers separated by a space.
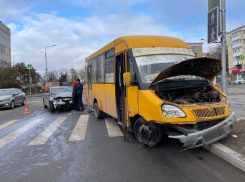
pixel 190 95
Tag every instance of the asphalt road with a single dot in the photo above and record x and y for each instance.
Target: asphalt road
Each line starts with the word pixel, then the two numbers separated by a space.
pixel 236 94
pixel 64 146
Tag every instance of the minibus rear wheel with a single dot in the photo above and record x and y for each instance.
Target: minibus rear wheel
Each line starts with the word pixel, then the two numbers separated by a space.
pixel 147 133
pixel 97 112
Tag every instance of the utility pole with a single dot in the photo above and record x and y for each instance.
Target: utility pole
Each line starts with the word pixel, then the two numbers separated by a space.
pixel 223 41
pixel 46 69
pixel 30 79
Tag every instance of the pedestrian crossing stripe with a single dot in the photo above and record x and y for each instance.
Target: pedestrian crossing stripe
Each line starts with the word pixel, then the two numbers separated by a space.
pixel 5 140
pixel 112 128
pixel 78 133
pixel 45 134
pixel 4 125
pixel 80 129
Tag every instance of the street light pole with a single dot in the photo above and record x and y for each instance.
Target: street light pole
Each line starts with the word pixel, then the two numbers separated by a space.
pixel 223 56
pixel 46 62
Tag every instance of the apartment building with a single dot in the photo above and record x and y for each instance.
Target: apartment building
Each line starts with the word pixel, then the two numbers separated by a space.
pixel 5 45
pixel 197 49
pixel 236 48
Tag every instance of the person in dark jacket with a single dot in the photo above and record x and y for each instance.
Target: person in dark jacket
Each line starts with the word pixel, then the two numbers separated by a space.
pixel 80 95
pixel 74 95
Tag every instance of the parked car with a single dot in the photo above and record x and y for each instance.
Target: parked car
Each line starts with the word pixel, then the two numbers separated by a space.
pixel 238 82
pixel 10 97
pixel 57 98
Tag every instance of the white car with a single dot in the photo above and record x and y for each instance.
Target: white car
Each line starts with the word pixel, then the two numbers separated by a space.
pixel 238 82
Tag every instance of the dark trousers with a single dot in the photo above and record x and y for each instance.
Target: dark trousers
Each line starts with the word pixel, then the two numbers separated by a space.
pixel 80 104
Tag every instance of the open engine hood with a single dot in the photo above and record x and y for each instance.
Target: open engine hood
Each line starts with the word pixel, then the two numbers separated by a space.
pixel 203 67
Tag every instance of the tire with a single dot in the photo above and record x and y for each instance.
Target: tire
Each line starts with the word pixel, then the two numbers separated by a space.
pixel 147 133
pixel 44 105
pixel 97 112
pixel 24 102
pixel 51 107
pixel 12 105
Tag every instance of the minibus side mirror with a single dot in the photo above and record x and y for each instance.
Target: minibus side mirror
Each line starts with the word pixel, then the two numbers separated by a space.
pixel 127 78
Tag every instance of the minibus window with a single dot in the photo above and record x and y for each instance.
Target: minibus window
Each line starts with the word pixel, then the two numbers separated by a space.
pixel 150 66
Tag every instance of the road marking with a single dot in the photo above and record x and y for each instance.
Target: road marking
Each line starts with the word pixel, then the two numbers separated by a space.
pixel 44 136
pixel 80 129
pixel 5 140
pixel 4 125
pixel 112 128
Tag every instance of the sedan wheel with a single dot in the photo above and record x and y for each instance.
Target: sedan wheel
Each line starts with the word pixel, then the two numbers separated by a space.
pixel 51 106
pixel 24 102
pixel 12 105
pixel 44 105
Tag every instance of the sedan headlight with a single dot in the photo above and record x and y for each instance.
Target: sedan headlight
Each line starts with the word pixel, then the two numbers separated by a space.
pixel 172 111
pixel 228 103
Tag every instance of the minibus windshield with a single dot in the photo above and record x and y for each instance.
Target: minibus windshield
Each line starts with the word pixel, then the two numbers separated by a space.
pixel 150 66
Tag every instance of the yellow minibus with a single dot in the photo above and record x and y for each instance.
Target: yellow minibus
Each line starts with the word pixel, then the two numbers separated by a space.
pixel 154 85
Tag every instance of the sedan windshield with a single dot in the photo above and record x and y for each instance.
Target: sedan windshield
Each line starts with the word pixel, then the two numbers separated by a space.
pixel 6 92
pixel 58 90
pixel 150 66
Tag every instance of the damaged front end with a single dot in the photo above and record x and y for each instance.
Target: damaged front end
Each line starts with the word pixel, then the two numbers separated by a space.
pixel 63 103
pixel 202 133
pixel 187 93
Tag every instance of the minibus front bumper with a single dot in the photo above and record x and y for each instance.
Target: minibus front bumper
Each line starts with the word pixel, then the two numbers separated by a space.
pixel 208 136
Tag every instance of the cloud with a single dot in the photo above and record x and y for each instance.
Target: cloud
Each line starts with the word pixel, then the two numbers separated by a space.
pixel 11 10
pixel 74 39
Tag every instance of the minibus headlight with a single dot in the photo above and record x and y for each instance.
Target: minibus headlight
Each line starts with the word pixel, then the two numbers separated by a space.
pixel 172 111
pixel 228 103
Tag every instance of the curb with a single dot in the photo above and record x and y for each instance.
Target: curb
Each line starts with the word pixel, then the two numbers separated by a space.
pixel 227 154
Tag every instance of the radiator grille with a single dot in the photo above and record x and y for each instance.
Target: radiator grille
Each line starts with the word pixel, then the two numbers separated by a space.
pixel 204 113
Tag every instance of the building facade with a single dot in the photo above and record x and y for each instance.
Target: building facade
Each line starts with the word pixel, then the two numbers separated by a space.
pixel 197 49
pixel 5 45
pixel 236 48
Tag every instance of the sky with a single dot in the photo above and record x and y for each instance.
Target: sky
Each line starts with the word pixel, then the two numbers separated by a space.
pixel 80 27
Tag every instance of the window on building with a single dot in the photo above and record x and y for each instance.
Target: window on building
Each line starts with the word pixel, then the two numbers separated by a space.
pixel 243 31
pixel 101 68
pixel 2 63
pixel 195 54
pixel 1 48
pixel 244 41
pixel 194 47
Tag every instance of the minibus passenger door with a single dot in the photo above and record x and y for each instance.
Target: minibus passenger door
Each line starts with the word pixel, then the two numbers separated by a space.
pixel 119 86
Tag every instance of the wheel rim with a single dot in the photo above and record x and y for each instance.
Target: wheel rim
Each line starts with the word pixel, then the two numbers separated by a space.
pixel 145 132
pixel 24 102
pixel 12 105
pixel 43 104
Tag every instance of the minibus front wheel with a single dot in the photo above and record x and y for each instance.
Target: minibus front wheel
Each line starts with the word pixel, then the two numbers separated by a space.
pixel 147 133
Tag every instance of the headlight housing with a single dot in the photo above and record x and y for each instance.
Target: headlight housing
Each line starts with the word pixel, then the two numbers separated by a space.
pixel 228 103
pixel 172 111
pixel 6 100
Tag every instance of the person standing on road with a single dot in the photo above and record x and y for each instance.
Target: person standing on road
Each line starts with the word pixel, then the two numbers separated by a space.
pixel 74 96
pixel 80 95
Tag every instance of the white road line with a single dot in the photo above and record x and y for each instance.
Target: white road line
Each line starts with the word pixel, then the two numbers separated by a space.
pixel 5 140
pixel 44 136
pixel 4 125
pixel 112 127
pixel 80 129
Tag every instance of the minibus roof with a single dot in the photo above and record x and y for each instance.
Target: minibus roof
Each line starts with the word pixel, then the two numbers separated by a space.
pixel 140 41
